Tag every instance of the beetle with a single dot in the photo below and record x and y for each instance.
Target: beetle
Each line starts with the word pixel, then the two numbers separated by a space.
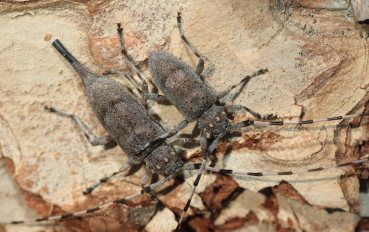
pixel 185 88
pixel 211 149
pixel 126 120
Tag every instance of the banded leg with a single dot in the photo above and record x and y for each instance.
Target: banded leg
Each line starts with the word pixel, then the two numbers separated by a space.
pixel 164 136
pixel 281 173
pixel 246 79
pixel 147 189
pixel 106 178
pixel 145 94
pixel 145 178
pixel 311 121
pixel 210 150
pixel 133 64
pixel 186 167
pixel 203 140
pixel 91 137
pixel 155 97
pixel 201 167
pixel 200 65
pixel 184 141
pixel 235 108
pixel 129 78
pixel 285 173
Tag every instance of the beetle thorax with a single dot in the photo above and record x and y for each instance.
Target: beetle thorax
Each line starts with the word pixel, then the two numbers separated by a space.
pixel 164 161
pixel 214 120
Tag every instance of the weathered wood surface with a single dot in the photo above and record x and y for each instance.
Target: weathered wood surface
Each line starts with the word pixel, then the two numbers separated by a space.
pixel 317 61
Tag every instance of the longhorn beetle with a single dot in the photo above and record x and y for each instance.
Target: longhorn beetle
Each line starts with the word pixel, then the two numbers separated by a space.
pixel 121 114
pixel 141 154
pixel 185 88
pixel 128 124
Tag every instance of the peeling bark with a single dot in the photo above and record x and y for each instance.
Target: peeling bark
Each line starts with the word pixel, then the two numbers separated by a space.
pixel 317 62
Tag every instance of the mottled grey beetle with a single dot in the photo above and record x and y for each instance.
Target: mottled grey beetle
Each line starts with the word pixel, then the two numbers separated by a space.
pixel 121 114
pixel 185 88
pixel 126 120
